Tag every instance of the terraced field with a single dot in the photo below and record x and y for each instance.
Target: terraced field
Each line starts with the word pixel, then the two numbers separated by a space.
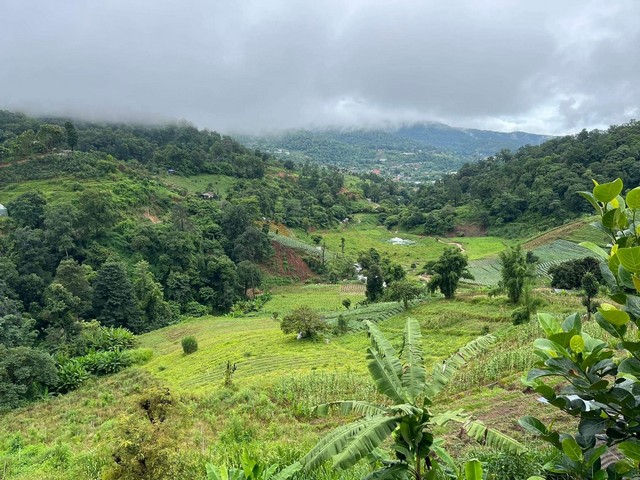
pixel 487 271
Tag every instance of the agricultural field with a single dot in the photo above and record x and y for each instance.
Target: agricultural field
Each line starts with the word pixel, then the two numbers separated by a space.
pixel 486 271
pixel 363 233
pixel 321 297
pixel 277 382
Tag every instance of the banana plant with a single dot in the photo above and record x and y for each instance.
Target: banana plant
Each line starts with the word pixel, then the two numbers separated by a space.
pixel 408 420
pixel 251 470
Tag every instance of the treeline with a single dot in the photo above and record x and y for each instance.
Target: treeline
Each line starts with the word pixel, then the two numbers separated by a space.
pixel 534 187
pixel 180 147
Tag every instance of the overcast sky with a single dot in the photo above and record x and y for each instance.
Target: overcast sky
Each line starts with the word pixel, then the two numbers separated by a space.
pixel 254 65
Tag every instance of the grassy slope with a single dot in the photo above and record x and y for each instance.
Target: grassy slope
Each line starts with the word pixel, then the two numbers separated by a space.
pixel 277 381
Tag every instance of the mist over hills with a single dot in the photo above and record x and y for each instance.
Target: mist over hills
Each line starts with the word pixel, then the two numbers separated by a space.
pixel 414 152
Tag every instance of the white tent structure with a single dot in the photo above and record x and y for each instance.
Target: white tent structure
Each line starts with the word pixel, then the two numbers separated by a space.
pixel 3 211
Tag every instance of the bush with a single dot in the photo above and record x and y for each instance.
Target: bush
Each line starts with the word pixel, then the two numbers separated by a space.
pixel 304 321
pixel 195 309
pixel 104 363
pixel 189 345
pixel 71 375
pixel 138 356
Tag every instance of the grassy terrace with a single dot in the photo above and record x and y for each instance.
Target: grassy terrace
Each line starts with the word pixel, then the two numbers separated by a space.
pixel 277 382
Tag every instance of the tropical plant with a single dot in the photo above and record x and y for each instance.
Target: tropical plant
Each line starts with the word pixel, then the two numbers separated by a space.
pixel 515 272
pixel 251 470
pixel 601 386
pixel 401 376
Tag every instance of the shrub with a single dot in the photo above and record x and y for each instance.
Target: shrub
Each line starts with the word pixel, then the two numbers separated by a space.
pixel 189 345
pixel 104 363
pixel 71 375
pixel 305 321
pixel 138 356
pixel 195 309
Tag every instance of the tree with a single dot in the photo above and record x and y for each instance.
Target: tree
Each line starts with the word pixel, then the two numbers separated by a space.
pixel 25 373
pixel 447 271
pixel 404 291
pixel 51 136
pixel 72 135
pixel 75 278
pixel 155 312
pixel 515 270
pixel 590 287
pixel 114 301
pixel 27 210
pixel 599 385
pixel 305 322
pixel 402 378
pixel 249 275
pixel 375 283
pixel 60 315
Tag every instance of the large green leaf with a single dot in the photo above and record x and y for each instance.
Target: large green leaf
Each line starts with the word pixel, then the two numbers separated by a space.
pixel 473 470
pixel 633 198
pixel 384 347
pixel 347 406
pixel 592 200
pixel 349 443
pixel 493 438
pixel 384 375
pixel 442 373
pixel 613 315
pixel 630 258
pixel 595 249
pixel 533 425
pixel 605 192
pixel 571 449
pixel 287 472
pixel 414 373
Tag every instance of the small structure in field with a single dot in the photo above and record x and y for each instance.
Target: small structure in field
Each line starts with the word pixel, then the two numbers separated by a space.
pixel 3 211
pixel 208 196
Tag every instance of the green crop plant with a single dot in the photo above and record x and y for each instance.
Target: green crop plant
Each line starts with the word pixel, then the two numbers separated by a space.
pixel 407 418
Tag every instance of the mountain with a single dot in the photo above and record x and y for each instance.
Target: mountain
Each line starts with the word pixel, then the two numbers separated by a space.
pixel 415 152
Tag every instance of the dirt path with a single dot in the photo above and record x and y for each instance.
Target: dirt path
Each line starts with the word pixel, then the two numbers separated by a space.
pixel 459 245
pixel 151 217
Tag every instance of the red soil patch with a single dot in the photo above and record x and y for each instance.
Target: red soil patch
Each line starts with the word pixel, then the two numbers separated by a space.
pixel 469 230
pixel 288 263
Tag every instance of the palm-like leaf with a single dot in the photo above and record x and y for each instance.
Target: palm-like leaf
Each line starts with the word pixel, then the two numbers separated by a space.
pixel 443 373
pixel 492 438
pixel 384 348
pixel 414 373
pixel 349 443
pixel 347 406
pixel 383 371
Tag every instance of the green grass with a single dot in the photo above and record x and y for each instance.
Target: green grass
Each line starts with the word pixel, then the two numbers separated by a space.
pixel 58 190
pixel 277 382
pixel 325 298
pixel 363 233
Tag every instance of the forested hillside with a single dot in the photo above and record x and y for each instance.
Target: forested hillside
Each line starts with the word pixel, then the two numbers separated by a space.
pixel 99 228
pixel 416 152
pixel 534 187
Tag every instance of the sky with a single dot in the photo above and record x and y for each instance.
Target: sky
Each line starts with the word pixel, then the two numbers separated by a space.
pixel 254 66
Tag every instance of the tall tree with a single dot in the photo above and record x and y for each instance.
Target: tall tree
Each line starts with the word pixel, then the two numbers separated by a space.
pixel 515 271
pixel 375 283
pixel 447 271
pixel 75 278
pixel 72 135
pixel 114 302
pixel 155 312
pixel 27 210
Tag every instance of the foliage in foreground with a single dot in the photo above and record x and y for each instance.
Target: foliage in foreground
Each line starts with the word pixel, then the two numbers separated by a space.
pixel 601 386
pixel 402 378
